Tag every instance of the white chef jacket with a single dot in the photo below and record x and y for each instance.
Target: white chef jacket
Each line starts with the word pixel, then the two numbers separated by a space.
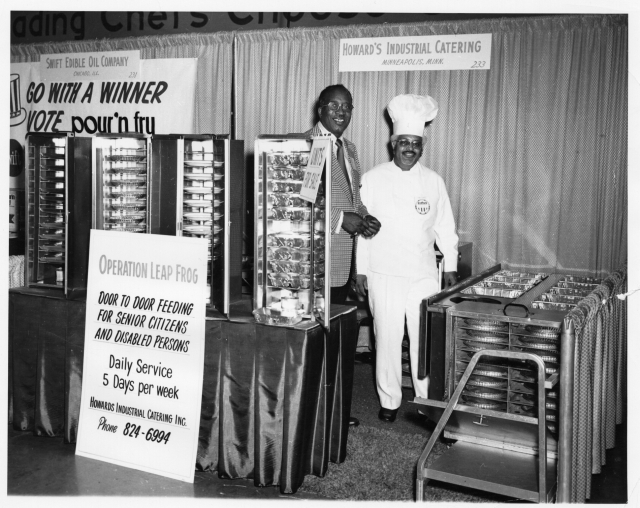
pixel 414 210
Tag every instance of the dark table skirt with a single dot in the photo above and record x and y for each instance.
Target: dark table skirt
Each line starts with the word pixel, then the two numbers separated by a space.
pixel 275 400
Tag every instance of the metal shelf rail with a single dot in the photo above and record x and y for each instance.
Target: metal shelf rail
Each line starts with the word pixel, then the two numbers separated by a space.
pixel 522 468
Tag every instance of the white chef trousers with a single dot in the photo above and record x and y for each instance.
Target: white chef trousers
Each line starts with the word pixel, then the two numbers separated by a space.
pixel 391 298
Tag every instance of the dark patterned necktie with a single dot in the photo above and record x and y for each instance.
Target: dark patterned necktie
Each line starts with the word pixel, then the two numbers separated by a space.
pixel 343 165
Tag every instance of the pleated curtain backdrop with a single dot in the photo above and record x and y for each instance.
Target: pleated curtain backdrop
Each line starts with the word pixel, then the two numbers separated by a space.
pixel 533 151
pixel 214 71
pixel 599 387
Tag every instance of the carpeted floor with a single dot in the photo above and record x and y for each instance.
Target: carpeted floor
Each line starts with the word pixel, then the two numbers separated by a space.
pixel 381 466
pixel 381 457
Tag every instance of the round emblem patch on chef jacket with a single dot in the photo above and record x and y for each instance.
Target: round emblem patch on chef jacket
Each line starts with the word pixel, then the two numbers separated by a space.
pixel 422 206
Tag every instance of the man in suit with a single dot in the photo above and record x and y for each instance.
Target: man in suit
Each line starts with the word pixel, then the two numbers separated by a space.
pixel 349 217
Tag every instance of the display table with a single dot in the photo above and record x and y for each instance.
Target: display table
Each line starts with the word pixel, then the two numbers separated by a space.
pixel 275 402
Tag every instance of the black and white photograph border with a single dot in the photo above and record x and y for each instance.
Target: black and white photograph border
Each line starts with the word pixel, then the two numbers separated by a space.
pixel 381 458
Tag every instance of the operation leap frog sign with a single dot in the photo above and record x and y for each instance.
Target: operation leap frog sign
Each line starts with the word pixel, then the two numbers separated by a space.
pixel 144 352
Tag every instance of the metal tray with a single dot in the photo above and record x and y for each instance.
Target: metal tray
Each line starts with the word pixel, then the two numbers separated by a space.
pixel 485 336
pixel 198 164
pixel 486 324
pixel 543 332
pixel 552 306
pixel 485 381
pixel 267 317
pixel 549 297
pixel 482 392
pixel 537 343
pixel 482 403
pixel 481 346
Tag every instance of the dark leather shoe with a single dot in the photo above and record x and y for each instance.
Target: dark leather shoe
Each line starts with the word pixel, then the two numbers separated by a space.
pixel 353 422
pixel 387 415
pixel 425 420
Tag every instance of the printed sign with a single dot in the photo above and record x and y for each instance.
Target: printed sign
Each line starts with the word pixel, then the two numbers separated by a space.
pixel 420 53
pixel 320 149
pixel 14 213
pixel 161 103
pixel 38 26
pixel 144 352
pixel 16 188
pixel 112 65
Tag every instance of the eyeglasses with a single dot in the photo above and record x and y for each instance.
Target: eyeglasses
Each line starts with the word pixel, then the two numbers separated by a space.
pixel 335 106
pixel 404 143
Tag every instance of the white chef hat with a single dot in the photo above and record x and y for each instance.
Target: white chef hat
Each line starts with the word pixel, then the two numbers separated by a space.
pixel 409 113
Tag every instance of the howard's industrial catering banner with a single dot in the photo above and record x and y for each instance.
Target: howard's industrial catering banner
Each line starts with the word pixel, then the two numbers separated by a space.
pixel 420 53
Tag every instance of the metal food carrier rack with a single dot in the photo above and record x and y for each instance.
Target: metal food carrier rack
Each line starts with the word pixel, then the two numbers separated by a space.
pixel 494 451
pixel 499 350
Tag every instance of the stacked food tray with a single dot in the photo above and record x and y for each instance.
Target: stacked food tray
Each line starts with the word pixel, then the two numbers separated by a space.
pixel 31 208
pixel 203 213
pixel 506 385
pixel 51 189
pixel 566 293
pixel 506 284
pixel 294 260
pixel 125 186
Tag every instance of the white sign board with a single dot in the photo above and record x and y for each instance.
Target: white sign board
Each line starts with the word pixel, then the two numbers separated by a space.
pixel 162 103
pixel 111 65
pixel 144 352
pixel 313 172
pixel 420 53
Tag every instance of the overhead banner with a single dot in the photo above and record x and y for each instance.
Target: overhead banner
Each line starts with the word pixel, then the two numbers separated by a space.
pixel 144 352
pixel 45 26
pixel 111 65
pixel 421 53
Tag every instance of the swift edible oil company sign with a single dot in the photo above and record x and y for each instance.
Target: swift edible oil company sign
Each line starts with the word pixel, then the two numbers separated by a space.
pixel 112 65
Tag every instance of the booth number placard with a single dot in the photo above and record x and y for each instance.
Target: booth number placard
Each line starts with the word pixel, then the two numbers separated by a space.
pixel 313 172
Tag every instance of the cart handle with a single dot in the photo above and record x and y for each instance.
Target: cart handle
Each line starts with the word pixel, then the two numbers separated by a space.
pixel 526 309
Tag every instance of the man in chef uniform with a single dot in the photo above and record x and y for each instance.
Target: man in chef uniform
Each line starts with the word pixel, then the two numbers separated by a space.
pixel 398 265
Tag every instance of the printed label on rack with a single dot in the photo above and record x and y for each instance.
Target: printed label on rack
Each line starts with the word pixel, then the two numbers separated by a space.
pixel 313 171
pixel 144 352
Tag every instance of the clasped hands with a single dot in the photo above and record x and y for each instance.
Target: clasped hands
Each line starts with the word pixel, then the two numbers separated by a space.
pixel 355 225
